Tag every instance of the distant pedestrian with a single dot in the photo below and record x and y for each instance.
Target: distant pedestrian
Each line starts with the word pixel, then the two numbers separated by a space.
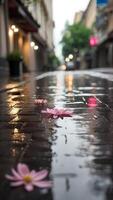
pixel 88 60
pixel 78 63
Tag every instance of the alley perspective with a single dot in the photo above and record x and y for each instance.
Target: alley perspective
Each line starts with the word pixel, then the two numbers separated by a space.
pixel 56 100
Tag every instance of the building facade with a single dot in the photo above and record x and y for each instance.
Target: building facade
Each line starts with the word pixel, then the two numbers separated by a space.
pixel 104 27
pixel 88 19
pixel 3 34
pixel 89 15
pixel 78 17
pixel 28 28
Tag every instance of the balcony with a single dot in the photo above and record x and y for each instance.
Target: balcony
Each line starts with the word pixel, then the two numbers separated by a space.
pixel 101 21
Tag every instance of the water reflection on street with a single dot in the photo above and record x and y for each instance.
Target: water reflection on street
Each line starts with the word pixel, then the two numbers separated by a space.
pixel 77 150
pixel 82 146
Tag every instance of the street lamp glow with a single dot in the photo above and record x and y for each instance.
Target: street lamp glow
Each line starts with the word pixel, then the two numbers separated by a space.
pixel 67 59
pixel 32 44
pixel 36 47
pixel 70 56
pixel 13 26
pixel 16 30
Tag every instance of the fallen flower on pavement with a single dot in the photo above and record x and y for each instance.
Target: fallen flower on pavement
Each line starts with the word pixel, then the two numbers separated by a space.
pixel 56 113
pixel 40 101
pixel 23 176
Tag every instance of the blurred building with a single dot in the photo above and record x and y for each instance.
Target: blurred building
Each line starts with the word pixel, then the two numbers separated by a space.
pixel 78 17
pixel 89 16
pixel 88 19
pixel 104 26
pixel 27 27
pixel 3 35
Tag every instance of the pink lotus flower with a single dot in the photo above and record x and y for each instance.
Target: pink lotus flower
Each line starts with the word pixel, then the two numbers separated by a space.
pixel 40 101
pixel 23 176
pixel 56 113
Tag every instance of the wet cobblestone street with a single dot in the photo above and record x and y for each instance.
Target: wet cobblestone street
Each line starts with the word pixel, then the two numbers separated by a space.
pixel 77 151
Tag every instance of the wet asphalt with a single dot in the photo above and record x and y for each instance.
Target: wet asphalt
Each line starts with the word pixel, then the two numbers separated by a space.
pixel 77 151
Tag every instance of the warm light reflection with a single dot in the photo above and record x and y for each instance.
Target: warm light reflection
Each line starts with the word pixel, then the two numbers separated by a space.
pixel 14 111
pixel 11 101
pixel 11 85
pixel 15 130
pixel 10 32
pixel 69 84
pixel 20 41
pixel 16 119
pixel 17 136
pixel 59 91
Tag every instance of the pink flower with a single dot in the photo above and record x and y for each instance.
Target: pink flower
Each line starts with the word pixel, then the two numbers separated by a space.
pixel 23 176
pixel 56 113
pixel 40 101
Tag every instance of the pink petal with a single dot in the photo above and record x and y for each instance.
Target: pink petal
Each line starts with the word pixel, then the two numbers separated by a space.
pixel 12 178
pixel 23 169
pixel 57 113
pixel 29 187
pixel 16 174
pixel 33 173
pixel 40 175
pixel 43 184
pixel 18 183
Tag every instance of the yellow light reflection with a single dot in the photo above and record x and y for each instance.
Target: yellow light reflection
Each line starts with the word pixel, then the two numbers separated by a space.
pixel 69 84
pixel 17 136
pixel 16 119
pixel 15 130
pixel 11 85
pixel 14 111
pixel 10 33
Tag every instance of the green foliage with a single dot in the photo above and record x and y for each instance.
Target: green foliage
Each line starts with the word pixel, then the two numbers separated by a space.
pixel 75 36
pixel 53 61
pixel 14 56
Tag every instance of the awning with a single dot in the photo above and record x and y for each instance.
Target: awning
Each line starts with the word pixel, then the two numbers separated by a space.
pixel 20 15
pixel 107 40
pixel 40 40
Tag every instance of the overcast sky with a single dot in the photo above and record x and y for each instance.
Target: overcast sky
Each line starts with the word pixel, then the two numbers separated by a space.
pixel 64 10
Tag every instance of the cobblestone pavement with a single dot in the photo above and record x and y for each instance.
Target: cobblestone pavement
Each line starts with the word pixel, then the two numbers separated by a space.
pixel 77 151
